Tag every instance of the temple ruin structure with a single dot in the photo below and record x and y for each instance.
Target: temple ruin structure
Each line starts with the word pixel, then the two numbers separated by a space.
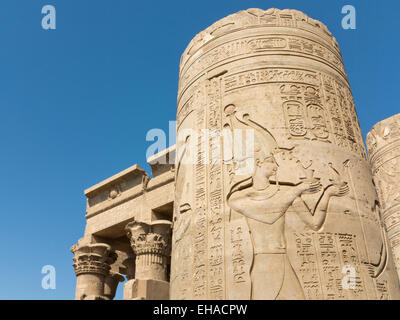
pixel 268 192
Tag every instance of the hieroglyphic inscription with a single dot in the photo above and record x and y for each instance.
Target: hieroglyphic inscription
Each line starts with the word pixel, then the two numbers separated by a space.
pixel 308 270
pixel 270 18
pixel 330 266
pixel 352 127
pixel 318 123
pixel 215 217
pixel 333 107
pixel 295 118
pixel 257 45
pixel 313 106
pixel 240 257
pixel 383 290
pixel 267 43
pixel 322 258
pixel 200 215
pixel 349 256
pixel 238 262
pixel 340 105
pixel 269 75
pixel 304 114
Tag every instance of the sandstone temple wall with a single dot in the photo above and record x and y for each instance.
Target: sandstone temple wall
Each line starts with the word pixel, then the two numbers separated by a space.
pixel 305 221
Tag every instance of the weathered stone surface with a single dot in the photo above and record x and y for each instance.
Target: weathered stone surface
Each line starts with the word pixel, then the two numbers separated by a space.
pixel 294 215
pixel 111 282
pixel 297 219
pixel 92 264
pixel 383 143
pixel 137 289
pixel 128 196
pixel 151 245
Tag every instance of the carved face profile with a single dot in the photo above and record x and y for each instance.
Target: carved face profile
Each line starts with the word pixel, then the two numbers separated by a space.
pixel 265 144
pixel 267 167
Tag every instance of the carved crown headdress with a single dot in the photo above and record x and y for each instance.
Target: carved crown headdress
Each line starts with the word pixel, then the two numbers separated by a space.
pixel 265 145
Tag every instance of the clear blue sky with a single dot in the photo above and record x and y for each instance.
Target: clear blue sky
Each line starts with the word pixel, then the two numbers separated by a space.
pixel 76 104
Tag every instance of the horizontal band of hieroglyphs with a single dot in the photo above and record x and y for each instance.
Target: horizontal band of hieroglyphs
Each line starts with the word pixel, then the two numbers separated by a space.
pixel 252 77
pixel 276 21
pixel 252 45
pixel 246 78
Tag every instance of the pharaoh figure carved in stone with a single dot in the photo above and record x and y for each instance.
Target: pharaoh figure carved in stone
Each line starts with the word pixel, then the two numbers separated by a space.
pixel 264 204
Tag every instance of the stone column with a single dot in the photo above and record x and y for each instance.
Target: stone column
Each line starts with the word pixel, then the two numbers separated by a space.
pixel 383 143
pixel 92 264
pixel 111 282
pixel 129 264
pixel 150 243
pixel 274 196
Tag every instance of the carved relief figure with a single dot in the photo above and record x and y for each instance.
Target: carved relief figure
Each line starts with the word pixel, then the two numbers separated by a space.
pixel 264 205
pixel 182 218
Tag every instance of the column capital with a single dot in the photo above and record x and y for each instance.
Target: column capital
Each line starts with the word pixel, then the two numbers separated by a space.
pixel 150 238
pixel 151 243
pixel 93 258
